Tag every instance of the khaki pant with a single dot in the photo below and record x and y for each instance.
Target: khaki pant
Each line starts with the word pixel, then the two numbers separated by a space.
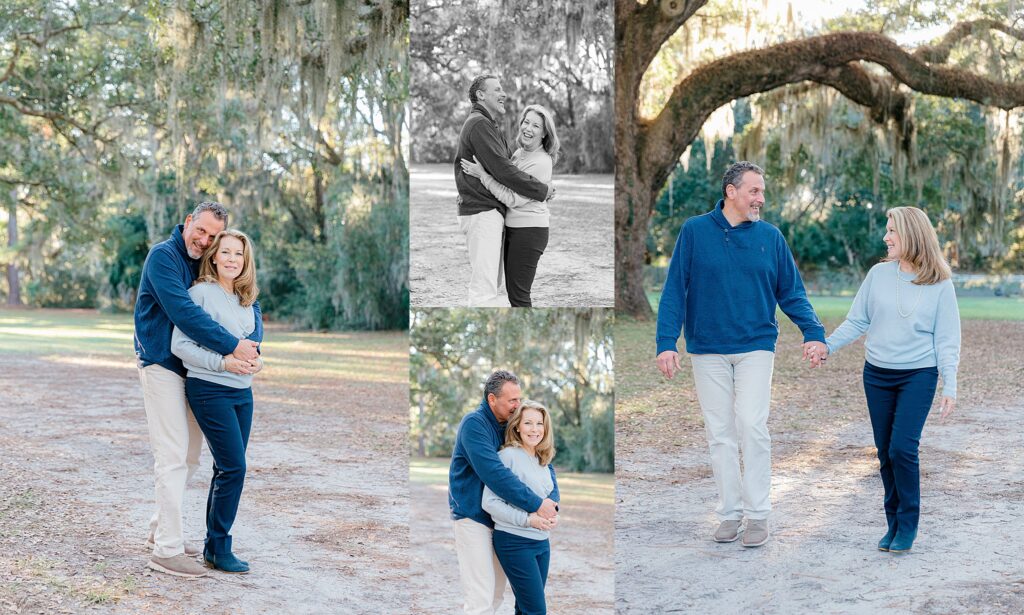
pixel 735 392
pixel 483 580
pixel 484 238
pixel 176 441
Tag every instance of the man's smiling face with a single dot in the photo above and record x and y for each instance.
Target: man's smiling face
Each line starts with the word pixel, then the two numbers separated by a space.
pixel 492 97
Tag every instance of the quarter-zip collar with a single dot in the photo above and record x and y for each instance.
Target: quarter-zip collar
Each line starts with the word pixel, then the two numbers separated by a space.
pixel 718 215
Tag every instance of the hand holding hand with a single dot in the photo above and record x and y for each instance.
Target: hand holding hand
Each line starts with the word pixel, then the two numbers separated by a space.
pixel 548 509
pixel 472 168
pixel 246 350
pixel 238 366
pixel 947 405
pixel 668 363
pixel 816 352
pixel 540 523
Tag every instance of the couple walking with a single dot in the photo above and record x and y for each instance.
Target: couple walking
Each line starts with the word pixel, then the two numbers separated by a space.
pixel 729 271
pixel 503 497
pixel 503 196
pixel 197 333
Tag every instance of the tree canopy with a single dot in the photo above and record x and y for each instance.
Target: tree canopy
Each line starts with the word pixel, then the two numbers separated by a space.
pixel 117 117
pixel 850 115
pixel 551 52
pixel 563 358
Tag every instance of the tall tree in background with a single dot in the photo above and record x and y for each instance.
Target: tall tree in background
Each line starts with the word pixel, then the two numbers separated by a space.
pixel 867 67
pixel 119 116
pixel 563 359
pixel 551 52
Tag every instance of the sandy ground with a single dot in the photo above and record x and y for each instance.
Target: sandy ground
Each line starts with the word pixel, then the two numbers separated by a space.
pixel 576 270
pixel 323 531
pixel 581 578
pixel 827 498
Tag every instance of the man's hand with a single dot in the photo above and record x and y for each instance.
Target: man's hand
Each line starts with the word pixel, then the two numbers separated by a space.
pixel 947 405
pixel 237 366
pixel 540 523
pixel 246 350
pixel 548 509
pixel 668 363
pixel 816 352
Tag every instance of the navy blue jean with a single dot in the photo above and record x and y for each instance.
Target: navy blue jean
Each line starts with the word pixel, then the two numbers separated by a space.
pixel 225 415
pixel 525 562
pixel 898 402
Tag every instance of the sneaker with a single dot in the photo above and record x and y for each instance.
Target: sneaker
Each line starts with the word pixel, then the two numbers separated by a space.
pixel 226 562
pixel 902 542
pixel 179 566
pixel 728 531
pixel 190 550
pixel 756 533
pixel 883 544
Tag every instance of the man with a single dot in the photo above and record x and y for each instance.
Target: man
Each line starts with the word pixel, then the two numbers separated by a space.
pixel 481 214
pixel 728 272
pixel 164 303
pixel 475 463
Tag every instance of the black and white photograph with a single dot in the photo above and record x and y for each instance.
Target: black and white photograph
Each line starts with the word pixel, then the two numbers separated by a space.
pixel 511 175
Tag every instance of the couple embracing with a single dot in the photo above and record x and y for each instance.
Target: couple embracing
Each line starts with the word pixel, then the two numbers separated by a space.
pixel 503 196
pixel 198 328
pixel 503 497
pixel 729 271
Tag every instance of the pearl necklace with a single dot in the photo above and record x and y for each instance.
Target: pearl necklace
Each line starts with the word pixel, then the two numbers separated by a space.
pixel 919 293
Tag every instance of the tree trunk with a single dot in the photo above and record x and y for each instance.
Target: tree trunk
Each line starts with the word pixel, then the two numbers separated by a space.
pixel 13 285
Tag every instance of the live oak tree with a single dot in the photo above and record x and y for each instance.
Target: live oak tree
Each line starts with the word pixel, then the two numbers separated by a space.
pixel 116 117
pixel 869 68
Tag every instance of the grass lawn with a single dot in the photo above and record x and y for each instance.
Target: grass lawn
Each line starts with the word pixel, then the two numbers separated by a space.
pixel 298 357
pixel 575 487
pixel 971 308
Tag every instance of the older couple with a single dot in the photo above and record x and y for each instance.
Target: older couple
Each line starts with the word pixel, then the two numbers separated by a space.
pixel 729 271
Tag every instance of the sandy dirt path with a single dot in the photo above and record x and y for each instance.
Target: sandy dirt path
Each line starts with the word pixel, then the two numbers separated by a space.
pixel 576 270
pixel 323 518
pixel 581 578
pixel 827 497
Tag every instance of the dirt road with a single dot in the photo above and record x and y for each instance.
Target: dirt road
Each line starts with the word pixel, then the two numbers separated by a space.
pixel 322 521
pixel 827 496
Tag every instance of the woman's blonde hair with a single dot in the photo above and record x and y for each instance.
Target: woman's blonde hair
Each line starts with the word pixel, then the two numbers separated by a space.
pixel 550 141
pixel 546 449
pixel 920 245
pixel 245 283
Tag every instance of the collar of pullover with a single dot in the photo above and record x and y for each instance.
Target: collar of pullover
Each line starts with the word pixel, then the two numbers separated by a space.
pixel 485 408
pixel 486 114
pixel 718 215
pixel 178 239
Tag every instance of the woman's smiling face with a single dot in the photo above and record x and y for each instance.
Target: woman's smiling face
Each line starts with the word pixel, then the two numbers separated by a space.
pixel 531 131
pixel 229 258
pixel 531 427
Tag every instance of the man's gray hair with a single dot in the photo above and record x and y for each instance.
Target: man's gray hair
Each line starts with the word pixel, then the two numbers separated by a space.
pixel 477 85
pixel 734 174
pixel 218 211
pixel 497 380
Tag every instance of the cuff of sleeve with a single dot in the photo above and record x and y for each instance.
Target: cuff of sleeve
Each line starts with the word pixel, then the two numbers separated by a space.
pixel 815 335
pixel 666 344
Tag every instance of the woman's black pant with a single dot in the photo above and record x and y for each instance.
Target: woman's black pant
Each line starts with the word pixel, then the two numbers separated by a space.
pixel 523 247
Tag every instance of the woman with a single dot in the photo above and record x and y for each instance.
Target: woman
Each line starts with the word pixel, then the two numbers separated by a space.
pixel 521 538
pixel 526 222
pixel 218 387
pixel 907 307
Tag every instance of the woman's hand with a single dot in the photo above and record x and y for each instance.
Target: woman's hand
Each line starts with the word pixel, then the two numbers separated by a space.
pixel 947 405
pixel 540 523
pixel 473 168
